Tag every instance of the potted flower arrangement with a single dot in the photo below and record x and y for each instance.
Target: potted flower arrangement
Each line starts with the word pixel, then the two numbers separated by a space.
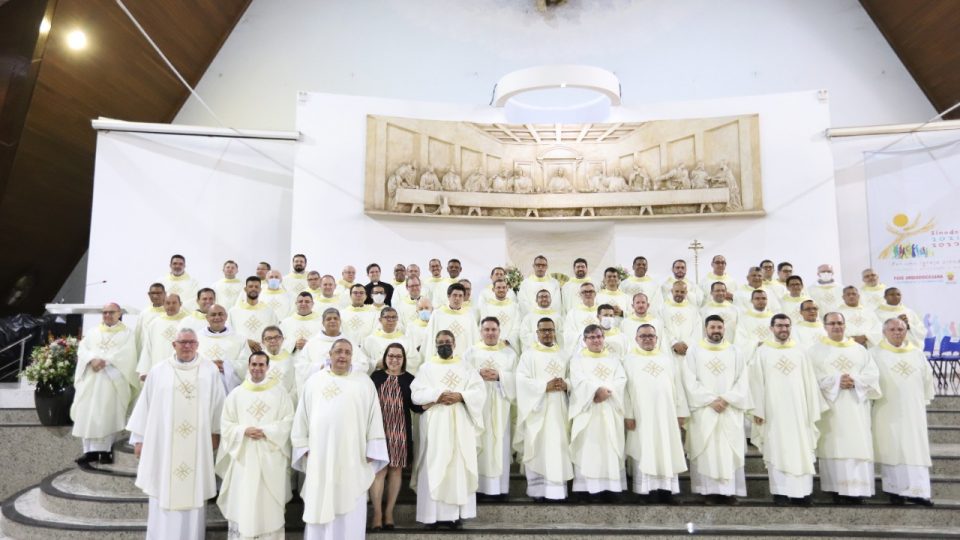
pixel 52 368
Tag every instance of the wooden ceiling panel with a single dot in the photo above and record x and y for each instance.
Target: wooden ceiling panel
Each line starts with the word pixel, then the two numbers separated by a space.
pixel 925 36
pixel 45 205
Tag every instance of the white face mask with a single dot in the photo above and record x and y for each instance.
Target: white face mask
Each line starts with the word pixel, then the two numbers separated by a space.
pixel 273 283
pixel 379 298
pixel 607 322
pixel 424 314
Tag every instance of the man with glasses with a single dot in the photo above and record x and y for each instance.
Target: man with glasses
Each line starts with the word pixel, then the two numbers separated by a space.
pixel 105 380
pixel 581 316
pixel 809 330
pixel 654 411
pixel 786 408
pixel 388 332
pixel 849 380
pixel 175 430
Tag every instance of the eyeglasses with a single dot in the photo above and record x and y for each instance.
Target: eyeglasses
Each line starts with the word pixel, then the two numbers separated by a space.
pixel 546 330
pixel 272 338
pixel 647 336
pixel 594 336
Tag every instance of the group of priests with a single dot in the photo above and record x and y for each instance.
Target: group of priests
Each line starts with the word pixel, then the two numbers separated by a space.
pixel 586 380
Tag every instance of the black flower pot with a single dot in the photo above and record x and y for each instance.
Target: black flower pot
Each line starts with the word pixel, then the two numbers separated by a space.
pixel 53 406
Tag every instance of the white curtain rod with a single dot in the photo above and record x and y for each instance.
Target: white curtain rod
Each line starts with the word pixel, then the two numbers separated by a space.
pixel 109 124
pixel 893 129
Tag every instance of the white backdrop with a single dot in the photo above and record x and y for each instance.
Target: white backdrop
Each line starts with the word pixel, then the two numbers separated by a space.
pixel 207 198
pixel 797 167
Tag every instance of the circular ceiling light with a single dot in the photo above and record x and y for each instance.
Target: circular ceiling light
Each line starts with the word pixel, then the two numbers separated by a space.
pixel 563 93
pixel 77 40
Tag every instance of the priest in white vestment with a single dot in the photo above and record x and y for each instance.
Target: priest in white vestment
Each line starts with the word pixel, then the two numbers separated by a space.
pixel 718 265
pixel 545 307
pixel 302 325
pixel 228 288
pixel 330 296
pixel 388 331
pixel 417 331
pixel 682 326
pixel 453 395
pixel 743 296
pixel 507 312
pixel 543 425
pixel 435 286
pixel 358 319
pixel 640 282
pixel 338 442
pixel 346 282
pixel 786 408
pixel 570 291
pixel 496 364
pixel 655 408
pixel 534 283
pixel 196 320
pixel 893 307
pixel 717 304
pixel 716 382
pixel 694 293
pixel 175 429
pixel 254 455
pixel 219 344
pixel 455 318
pixel 754 325
pixel 862 324
pixel 598 388
pixel 642 313
pixel 406 305
pixel 498 274
pixel 296 281
pixel 611 294
pixel 826 293
pixel 850 381
pixel 316 355
pixel 809 330
pixel 282 366
pixel 871 291
pixel 105 382
pixel 157 296
pixel 251 316
pixel 155 347
pixel 579 317
pixel 179 282
pixel 275 296
pixel 795 296
pixel 900 440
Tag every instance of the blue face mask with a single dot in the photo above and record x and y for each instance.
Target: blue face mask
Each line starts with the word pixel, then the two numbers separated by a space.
pixel 424 315
pixel 273 283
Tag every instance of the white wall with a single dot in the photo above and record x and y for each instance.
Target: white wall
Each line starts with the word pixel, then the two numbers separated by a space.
pixel 456 50
pixel 797 168
pixel 207 198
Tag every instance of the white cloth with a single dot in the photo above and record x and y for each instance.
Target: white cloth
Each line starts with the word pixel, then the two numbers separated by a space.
pixel 527 295
pixel 184 286
pixel 681 323
pixel 728 312
pixel 570 292
pixel 704 484
pixel 228 347
pixel 358 322
pixel 248 321
pixel 346 526
pixel 848 477
pixel 460 322
pixel 163 524
pixel 507 313
pixel 743 295
pixel 647 285
pixel 917 332
pixel 900 414
pixel 296 327
pixel 103 397
pixel 752 330
pixel 528 326
pixel 616 298
pixel 829 297
pixel 694 293
pixel 808 334
pixel 157 341
pixel 493 460
pixel 861 321
pixel 905 480
pixel 228 291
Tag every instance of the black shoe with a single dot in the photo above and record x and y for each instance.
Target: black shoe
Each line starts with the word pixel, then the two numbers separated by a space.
pixel 897 500
pixel 712 500
pixel 920 501
pixel 781 500
pixel 852 501
pixel 105 458
pixel 389 526
pixel 665 497
pixel 802 501
pixel 431 526
pixel 455 525
pixel 730 500
pixel 86 458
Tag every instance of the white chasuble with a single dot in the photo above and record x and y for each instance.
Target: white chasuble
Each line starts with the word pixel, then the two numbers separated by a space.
pixel 458 321
pixel 829 297
pixel 177 413
pixel 742 298
pixel 283 369
pixel 297 327
pixel 917 331
pixel 195 320
pixel 507 313
pixel 655 400
pixel 900 439
pixel 631 323
pixel 571 334
pixel 728 312
pixel 527 295
pixel 228 291
pixel 103 397
pixel 228 347
pixel 615 298
pixel 448 476
pixel 528 326
pixel 708 280
pixel 358 322
pixel 279 301
pixel 294 283
pixel 752 330
pixel 597 433
pixel 845 430
pixel 157 344
pixel 493 459
pixel 860 321
pixel 716 442
pixel 570 293
pixel 646 285
pixel 183 286
pixel 256 486
pixel 786 396
pixel 337 427
pixel 790 306
pixel 694 293
pixel 808 333
pixel 872 296
pixel 406 311
pixel 249 320
pixel 147 314
pixel 681 323
pixel 376 344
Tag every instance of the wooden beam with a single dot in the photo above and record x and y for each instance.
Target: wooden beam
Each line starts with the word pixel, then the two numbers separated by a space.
pixel 609 131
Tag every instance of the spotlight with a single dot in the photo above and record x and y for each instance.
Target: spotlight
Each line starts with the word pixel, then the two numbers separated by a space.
pixel 77 40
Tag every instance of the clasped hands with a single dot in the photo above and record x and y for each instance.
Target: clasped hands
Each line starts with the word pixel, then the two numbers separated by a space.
pixel 556 384
pixel 254 433
pixel 98 364
pixel 846 382
pixel 449 398
pixel 719 405
pixel 490 375
pixel 602 394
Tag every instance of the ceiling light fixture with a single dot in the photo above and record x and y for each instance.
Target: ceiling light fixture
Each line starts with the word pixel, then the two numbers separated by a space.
pixel 77 40
pixel 562 93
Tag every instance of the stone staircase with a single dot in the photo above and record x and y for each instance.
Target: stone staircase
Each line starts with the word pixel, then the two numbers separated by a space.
pixel 101 502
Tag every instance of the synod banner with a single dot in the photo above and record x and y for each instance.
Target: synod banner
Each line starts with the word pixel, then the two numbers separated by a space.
pixel 913 201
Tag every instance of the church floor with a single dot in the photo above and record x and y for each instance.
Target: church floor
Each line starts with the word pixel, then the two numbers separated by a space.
pixel 102 503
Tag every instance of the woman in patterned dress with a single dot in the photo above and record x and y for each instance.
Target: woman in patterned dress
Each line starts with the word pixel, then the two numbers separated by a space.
pixel 393 388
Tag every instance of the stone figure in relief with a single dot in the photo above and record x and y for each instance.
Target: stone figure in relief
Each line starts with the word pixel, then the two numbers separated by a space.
pixel 444 208
pixel 451 181
pixel 404 177
pixel 503 182
pixel 477 181
pixel 615 183
pixel 522 183
pixel 724 177
pixel 429 180
pixel 595 181
pixel 639 180
pixel 699 177
pixel 559 183
pixel 676 178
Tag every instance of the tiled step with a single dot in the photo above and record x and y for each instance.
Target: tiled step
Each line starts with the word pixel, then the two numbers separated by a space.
pixel 944 434
pixel 943 417
pixel 19 416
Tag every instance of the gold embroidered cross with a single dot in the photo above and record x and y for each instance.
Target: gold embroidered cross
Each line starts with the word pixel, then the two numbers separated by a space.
pixel 903 368
pixel 785 365
pixel 185 429
pixel 330 391
pixel 653 368
pixel 678 318
pixel 187 390
pixel 451 379
pixel 302 333
pixel 554 368
pixel 761 332
pixel 504 319
pixel 355 323
pixel 107 344
pixel 274 304
pixel 601 372
pixel 169 333
pixel 215 352
pixel 456 328
pixel 842 364
pixel 258 409
pixel 716 366
pixel 252 324
pixel 183 471
pixel 489 363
